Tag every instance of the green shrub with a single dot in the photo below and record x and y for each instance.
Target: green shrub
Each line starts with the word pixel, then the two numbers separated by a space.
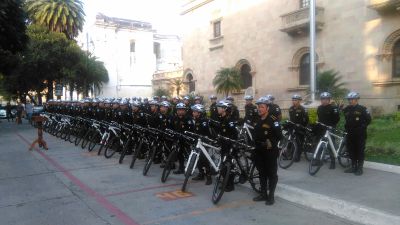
pixel 396 116
pixel 312 115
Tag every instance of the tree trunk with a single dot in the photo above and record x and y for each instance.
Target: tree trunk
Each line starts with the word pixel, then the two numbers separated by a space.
pixel 50 90
pixel 71 91
pixel 39 98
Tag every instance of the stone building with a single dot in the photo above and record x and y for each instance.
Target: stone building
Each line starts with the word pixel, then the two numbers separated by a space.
pixel 132 52
pixel 268 42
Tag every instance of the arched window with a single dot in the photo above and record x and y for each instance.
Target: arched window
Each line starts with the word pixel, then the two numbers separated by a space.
pixel 189 78
pixel 396 59
pixel 246 76
pixel 304 78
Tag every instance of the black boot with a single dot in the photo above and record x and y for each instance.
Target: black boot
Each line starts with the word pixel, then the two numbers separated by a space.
pixel 352 169
pixel 208 180
pixel 359 170
pixel 199 176
pixel 230 186
pixel 261 197
pixel 271 195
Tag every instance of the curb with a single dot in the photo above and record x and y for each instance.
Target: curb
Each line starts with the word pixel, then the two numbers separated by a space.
pixel 353 212
pixel 337 207
pixel 382 167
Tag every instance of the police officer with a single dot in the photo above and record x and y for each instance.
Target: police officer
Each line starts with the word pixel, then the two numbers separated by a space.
pixel 267 135
pixel 274 109
pixel 328 114
pixel 181 123
pixel 251 114
pixel 227 129
pixel 357 119
pixel 186 101
pixel 153 117
pixel 165 120
pixel 197 100
pixel 234 109
pixel 298 115
pixel 137 116
pixel 200 126
pixel 213 107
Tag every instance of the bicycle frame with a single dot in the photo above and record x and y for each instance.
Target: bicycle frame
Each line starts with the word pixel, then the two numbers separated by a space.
pixel 200 145
pixel 327 139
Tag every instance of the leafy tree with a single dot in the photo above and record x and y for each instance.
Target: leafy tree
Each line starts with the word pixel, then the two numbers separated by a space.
pixel 12 33
pixel 227 80
pixel 66 16
pixel 161 92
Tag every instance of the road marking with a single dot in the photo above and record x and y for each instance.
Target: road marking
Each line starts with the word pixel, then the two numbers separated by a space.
pixel 173 195
pixel 199 212
pixel 124 218
pixel 142 189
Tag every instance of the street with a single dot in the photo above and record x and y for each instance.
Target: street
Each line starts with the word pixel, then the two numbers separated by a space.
pixel 68 185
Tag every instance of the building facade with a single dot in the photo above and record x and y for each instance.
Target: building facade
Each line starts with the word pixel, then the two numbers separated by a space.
pixel 132 52
pixel 268 42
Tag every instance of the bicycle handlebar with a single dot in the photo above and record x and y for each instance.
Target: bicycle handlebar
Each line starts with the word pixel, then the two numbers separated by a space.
pixel 235 142
pixel 200 137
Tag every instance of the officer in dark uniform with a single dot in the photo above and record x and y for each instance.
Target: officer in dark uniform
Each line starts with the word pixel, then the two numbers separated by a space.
pixel 213 108
pixel 197 100
pixel 328 114
pixel 145 106
pixel 100 111
pixel 181 123
pixel 267 135
pixel 153 117
pixel 226 128
pixel 234 109
pixel 200 126
pixel 274 109
pixel 165 120
pixel 186 101
pixel 137 116
pixel 357 119
pixel 298 115
pixel 175 101
pixel 251 114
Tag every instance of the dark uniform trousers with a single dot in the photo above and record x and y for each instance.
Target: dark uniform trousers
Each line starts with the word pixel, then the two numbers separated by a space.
pixel 357 119
pixel 267 134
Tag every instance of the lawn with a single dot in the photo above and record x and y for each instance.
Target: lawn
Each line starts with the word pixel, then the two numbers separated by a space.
pixel 383 143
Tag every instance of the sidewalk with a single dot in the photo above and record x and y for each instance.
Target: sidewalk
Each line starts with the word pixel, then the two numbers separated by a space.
pixel 101 191
pixel 373 198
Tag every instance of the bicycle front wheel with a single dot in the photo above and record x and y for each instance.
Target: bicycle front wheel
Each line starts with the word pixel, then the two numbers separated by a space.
pixel 287 154
pixel 221 182
pixel 318 159
pixel 169 165
pixel 111 147
pixel 254 179
pixel 189 170
pixel 149 159
pixel 344 157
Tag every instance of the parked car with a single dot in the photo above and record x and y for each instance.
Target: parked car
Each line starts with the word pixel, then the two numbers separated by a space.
pixel 3 114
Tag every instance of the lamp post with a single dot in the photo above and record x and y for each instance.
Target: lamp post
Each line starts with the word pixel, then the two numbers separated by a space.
pixel 312 50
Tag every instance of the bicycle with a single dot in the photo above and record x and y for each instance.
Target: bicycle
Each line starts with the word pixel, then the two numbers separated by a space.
pixel 326 142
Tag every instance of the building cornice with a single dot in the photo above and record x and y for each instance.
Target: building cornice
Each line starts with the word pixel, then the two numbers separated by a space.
pixel 192 5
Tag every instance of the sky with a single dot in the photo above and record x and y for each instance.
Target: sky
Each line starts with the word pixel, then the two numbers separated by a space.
pixel 163 14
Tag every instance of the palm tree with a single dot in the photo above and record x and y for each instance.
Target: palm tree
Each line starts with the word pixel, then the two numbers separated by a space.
pixel 330 81
pixel 177 83
pixel 227 80
pixel 66 16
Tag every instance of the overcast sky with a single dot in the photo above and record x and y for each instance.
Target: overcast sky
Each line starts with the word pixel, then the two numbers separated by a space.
pixel 163 14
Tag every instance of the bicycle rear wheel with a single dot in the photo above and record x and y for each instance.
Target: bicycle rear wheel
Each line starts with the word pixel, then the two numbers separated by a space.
pixel 318 159
pixel 189 170
pixel 221 182
pixel 94 140
pixel 287 154
pixel 169 165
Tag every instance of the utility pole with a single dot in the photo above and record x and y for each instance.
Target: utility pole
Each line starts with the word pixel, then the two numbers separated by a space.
pixel 312 50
